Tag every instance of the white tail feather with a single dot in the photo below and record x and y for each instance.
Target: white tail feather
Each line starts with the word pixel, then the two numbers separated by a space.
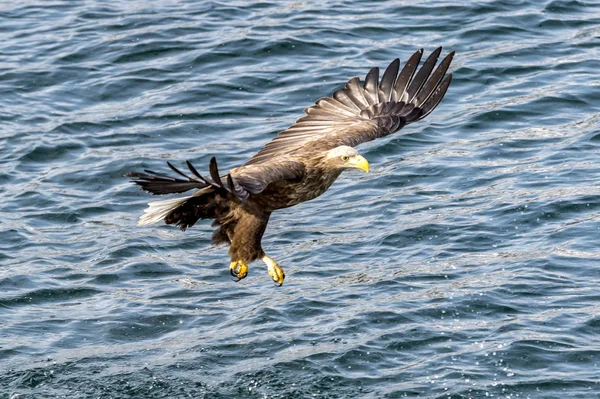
pixel 158 210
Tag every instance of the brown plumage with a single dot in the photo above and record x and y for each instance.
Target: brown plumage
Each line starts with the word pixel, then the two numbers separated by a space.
pixel 301 162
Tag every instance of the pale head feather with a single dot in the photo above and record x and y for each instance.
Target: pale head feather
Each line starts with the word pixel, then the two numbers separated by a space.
pixel 341 151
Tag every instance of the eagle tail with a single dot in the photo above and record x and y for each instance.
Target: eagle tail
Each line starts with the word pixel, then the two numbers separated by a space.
pixel 159 210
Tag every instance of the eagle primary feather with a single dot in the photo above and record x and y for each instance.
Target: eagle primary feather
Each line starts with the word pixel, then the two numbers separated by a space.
pixel 301 162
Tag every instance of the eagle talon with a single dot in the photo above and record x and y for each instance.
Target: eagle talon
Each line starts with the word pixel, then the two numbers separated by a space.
pixel 279 280
pixel 277 275
pixel 238 269
pixel 275 271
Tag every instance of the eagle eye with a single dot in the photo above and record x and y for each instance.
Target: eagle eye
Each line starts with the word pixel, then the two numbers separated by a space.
pixel 345 158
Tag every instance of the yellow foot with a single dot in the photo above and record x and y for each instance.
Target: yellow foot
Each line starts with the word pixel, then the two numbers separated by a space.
pixel 238 269
pixel 275 271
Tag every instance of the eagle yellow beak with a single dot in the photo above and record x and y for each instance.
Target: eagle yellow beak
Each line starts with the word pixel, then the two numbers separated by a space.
pixel 360 162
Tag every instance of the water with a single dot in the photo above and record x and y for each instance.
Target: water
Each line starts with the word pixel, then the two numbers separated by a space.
pixel 466 264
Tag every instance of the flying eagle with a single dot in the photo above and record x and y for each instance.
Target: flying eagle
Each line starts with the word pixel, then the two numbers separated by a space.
pixel 300 163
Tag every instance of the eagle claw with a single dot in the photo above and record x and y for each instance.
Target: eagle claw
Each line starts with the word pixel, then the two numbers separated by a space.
pixel 275 271
pixel 277 275
pixel 238 269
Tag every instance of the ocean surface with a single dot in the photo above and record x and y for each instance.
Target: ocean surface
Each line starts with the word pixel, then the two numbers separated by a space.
pixel 465 265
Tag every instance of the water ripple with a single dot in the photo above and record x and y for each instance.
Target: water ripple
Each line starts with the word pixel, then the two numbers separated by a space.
pixel 463 266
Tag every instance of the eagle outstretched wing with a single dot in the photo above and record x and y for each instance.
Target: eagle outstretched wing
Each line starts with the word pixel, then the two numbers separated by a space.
pixel 356 114
pixel 353 115
pixel 241 182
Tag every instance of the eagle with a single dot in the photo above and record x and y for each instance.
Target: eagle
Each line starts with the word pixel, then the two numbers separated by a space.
pixel 301 163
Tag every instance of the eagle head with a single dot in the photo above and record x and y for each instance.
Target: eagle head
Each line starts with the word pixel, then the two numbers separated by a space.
pixel 345 157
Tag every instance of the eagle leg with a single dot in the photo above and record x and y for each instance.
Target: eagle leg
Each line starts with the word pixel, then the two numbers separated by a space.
pixel 275 271
pixel 238 269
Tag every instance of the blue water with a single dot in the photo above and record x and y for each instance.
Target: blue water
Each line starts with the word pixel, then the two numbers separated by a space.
pixel 466 265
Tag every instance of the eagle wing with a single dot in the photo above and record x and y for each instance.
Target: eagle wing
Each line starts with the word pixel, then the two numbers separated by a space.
pixel 357 114
pixel 253 179
pixel 353 115
pixel 241 182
